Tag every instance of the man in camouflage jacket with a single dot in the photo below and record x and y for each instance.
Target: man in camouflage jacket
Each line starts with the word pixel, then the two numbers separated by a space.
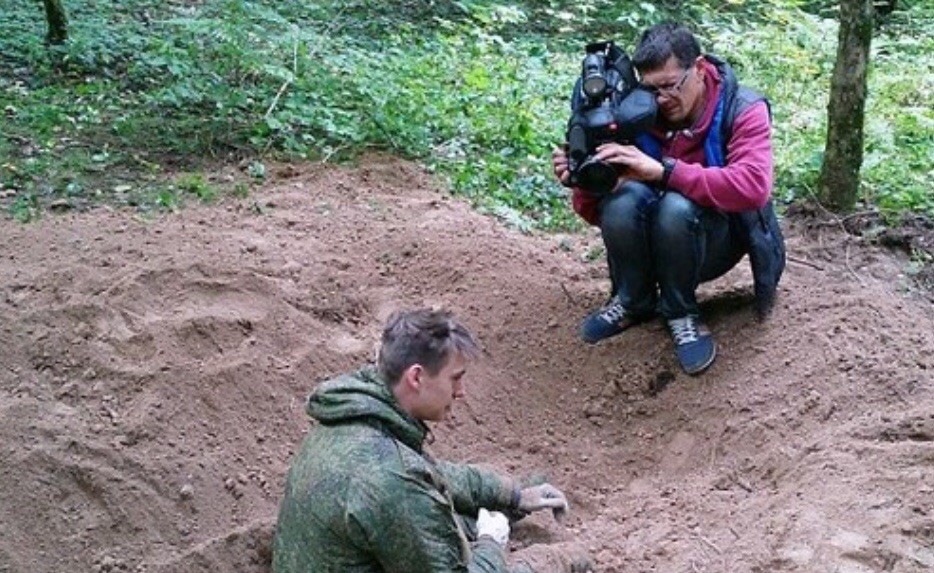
pixel 363 496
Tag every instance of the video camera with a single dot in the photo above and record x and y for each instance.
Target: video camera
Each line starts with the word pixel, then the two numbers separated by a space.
pixel 607 105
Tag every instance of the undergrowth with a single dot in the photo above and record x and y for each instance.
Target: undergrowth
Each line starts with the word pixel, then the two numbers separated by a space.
pixel 147 98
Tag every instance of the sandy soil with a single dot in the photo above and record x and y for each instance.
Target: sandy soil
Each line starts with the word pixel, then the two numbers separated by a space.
pixel 153 374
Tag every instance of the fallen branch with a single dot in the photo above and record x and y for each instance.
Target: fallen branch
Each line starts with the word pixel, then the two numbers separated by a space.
pixel 710 543
pixel 836 220
pixel 804 262
pixel 567 294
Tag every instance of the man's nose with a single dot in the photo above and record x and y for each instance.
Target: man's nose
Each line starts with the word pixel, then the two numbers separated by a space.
pixel 459 389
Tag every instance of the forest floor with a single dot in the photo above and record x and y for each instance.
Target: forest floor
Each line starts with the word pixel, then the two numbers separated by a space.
pixel 153 376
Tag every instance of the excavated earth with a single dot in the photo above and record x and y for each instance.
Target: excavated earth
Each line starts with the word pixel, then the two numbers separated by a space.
pixel 153 376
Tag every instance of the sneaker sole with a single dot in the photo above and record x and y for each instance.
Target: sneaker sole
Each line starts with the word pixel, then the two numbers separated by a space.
pixel 630 324
pixel 705 365
pixel 588 340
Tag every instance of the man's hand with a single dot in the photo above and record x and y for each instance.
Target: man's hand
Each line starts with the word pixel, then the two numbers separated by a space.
pixel 494 525
pixel 544 496
pixel 635 164
pixel 559 160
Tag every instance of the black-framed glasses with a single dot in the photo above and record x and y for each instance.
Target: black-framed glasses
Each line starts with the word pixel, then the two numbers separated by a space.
pixel 668 90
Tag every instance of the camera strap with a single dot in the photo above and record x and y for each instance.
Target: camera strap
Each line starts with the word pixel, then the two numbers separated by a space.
pixel 621 63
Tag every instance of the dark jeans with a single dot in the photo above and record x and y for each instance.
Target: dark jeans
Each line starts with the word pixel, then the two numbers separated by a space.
pixel 663 246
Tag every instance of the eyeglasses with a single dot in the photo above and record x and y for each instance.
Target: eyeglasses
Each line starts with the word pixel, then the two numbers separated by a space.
pixel 669 90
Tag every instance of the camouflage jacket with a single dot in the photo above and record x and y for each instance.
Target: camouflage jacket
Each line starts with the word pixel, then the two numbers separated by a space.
pixel 363 496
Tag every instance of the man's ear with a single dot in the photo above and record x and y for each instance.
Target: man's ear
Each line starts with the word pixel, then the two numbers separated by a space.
pixel 412 377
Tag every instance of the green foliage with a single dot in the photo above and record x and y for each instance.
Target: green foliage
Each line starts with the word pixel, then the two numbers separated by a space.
pixel 196 184
pixel 477 90
pixel 25 208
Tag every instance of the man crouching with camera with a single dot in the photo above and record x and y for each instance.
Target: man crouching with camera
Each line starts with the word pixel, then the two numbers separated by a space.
pixel 692 197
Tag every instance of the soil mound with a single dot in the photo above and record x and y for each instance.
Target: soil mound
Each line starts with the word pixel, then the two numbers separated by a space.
pixel 153 377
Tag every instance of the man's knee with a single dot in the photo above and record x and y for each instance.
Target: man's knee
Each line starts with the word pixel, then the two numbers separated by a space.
pixel 676 214
pixel 623 212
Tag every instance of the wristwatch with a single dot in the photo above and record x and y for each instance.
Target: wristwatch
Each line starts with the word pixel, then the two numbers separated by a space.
pixel 668 165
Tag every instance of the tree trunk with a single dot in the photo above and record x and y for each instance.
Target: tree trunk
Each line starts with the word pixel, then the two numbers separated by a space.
pixel 839 178
pixel 58 22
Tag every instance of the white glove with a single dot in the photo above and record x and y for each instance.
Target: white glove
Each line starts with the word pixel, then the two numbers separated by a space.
pixel 544 496
pixel 493 524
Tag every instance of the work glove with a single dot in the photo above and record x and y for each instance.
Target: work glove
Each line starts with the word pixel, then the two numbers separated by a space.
pixel 544 496
pixel 494 525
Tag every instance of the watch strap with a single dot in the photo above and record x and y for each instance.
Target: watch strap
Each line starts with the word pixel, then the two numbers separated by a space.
pixel 668 165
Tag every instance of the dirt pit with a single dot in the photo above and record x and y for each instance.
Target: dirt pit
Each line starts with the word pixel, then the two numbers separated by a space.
pixel 153 377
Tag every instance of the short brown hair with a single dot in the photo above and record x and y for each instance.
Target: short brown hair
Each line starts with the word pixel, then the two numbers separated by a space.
pixel 663 41
pixel 423 336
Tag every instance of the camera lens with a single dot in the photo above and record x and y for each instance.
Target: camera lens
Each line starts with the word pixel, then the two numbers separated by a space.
pixel 594 75
pixel 597 177
pixel 594 86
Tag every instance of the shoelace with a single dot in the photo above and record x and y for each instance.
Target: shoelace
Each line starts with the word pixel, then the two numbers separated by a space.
pixel 614 312
pixel 684 330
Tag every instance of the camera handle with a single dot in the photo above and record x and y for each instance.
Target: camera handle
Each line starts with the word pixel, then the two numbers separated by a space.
pixel 617 59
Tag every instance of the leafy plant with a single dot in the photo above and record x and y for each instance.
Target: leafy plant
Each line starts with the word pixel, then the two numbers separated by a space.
pixel 196 184
pixel 25 208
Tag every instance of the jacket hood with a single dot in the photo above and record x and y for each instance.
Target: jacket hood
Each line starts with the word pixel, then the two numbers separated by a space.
pixel 363 397
pixel 723 70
